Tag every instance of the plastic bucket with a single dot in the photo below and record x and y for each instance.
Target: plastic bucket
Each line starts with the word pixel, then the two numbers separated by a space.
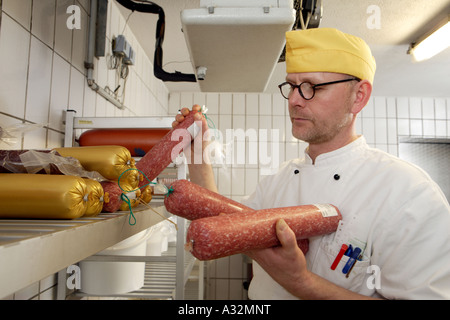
pixel 106 278
pixel 157 242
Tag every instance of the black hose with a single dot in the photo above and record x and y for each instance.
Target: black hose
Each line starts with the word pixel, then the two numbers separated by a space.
pixel 150 7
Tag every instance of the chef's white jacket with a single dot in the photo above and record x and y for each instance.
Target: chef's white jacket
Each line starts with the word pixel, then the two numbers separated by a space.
pixel 391 209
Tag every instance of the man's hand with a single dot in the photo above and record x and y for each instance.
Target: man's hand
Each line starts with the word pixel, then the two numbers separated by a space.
pixel 200 173
pixel 286 264
pixel 198 117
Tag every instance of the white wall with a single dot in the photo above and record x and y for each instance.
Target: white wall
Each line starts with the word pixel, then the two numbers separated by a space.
pixel 42 70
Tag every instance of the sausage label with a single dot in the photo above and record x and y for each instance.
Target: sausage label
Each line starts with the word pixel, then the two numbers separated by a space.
pixel 327 210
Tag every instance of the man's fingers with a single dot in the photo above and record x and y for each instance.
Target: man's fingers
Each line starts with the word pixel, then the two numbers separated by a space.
pixel 285 234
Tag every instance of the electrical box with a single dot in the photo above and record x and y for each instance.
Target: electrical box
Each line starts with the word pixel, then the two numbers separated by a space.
pixel 122 48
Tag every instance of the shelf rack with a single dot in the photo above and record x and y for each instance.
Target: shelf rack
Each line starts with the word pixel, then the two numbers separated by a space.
pixel 31 250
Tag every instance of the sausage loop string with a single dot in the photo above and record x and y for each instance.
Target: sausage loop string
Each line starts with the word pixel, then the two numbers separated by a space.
pixel 125 198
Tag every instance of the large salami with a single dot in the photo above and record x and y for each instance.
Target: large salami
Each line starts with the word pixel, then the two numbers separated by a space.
pixel 168 148
pixel 191 201
pixel 220 236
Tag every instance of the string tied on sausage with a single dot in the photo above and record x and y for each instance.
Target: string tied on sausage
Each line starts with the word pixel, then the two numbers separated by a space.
pixel 169 191
pixel 125 198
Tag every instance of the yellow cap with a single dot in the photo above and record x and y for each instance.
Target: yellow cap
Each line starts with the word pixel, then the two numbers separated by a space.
pixel 328 50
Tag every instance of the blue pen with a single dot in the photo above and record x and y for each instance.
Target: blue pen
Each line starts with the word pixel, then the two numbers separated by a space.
pixel 349 251
pixel 355 254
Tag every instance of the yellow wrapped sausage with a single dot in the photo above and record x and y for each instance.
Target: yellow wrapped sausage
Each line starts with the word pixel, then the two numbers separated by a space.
pixel 146 194
pixel 42 196
pixel 133 198
pixel 95 199
pixel 109 161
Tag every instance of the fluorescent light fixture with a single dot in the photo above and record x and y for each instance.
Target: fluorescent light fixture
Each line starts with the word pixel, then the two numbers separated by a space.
pixel 434 42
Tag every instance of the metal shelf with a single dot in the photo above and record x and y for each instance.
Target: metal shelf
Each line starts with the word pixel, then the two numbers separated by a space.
pixel 32 250
pixel 160 278
pixel 178 265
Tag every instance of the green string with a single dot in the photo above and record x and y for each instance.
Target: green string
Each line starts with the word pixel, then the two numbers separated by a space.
pixel 125 198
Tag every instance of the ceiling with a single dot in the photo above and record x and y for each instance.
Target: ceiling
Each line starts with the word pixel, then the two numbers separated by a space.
pixel 401 22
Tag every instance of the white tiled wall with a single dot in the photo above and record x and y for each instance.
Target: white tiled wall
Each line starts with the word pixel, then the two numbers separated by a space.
pixel 42 73
pixel 382 121
pixel 42 70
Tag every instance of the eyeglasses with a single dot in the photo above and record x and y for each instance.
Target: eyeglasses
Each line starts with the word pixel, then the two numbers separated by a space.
pixel 306 89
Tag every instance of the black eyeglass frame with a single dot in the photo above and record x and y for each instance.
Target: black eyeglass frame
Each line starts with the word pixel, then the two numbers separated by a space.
pixel 313 86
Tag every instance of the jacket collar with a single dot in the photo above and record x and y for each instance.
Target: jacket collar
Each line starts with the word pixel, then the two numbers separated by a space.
pixel 339 155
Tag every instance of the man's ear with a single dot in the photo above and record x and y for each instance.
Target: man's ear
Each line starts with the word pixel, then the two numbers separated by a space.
pixel 363 91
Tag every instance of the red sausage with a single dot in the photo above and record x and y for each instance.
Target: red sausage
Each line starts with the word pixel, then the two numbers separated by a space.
pixel 112 189
pixel 191 201
pixel 167 149
pixel 224 235
pixel 138 141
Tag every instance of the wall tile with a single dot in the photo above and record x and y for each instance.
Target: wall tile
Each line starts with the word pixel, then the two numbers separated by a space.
pixel 402 108
pixel 415 108
pixel 59 97
pixel 279 105
pixel 44 21
pixel 14 45
pixel 416 127
pixel 80 43
pixel 428 109
pixel 19 10
pixel 381 131
pixel 63 35
pixel 441 128
pixel 238 106
pixel 429 128
pixel 380 108
pixel 39 80
pixel 212 103
pixel 265 104
pixel 440 108
pixel 251 104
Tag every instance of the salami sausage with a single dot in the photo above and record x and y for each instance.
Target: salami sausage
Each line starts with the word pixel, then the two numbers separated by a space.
pixel 228 234
pixel 137 141
pixel 170 146
pixel 191 201
pixel 113 193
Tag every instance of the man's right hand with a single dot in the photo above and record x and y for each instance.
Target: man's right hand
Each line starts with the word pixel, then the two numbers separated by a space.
pixel 198 117
pixel 200 174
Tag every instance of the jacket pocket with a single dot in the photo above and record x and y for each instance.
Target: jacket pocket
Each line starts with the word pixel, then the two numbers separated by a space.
pixel 354 280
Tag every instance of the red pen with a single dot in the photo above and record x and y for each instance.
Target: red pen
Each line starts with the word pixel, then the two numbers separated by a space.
pixel 339 256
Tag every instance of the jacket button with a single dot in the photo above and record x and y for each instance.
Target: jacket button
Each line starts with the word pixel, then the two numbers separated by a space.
pixel 336 177
pixel 296 171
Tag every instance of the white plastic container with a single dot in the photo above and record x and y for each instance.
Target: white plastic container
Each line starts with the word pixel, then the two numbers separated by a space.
pixel 162 233
pixel 106 278
pixel 154 242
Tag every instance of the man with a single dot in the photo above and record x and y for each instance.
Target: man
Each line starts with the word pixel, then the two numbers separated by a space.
pixel 393 213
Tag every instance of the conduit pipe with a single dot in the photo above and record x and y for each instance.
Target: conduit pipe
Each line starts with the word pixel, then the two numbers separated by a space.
pixel 89 64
